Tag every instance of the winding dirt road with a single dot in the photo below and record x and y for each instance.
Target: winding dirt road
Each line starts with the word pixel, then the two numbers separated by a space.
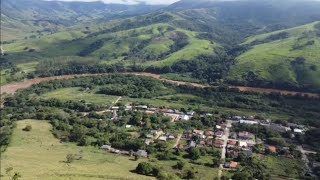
pixel 14 87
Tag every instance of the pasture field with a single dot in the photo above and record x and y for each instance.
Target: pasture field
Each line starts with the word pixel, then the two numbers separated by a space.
pixel 37 154
pixel 283 167
pixel 75 94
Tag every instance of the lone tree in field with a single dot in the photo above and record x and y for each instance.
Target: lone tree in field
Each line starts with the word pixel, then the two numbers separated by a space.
pixel 16 176
pixel 27 128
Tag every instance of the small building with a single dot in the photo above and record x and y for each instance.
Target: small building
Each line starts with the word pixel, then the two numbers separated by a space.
pixel 128 108
pixel 142 107
pixel 148 141
pixel 219 133
pixel 231 164
pixel 192 144
pixel 184 117
pixel 210 141
pixel 116 151
pixel 142 153
pixel 106 147
pixel 246 136
pixel 234 164
pixel 226 165
pixel 171 137
pixel 190 113
pixel 149 112
pixel 202 142
pixel 249 122
pixel 162 138
pixel 128 126
pixel 198 132
pixel 298 131
pixel 219 143
pixel 115 108
pixel 279 128
pixel 209 133
pixel 242 144
pixel 232 142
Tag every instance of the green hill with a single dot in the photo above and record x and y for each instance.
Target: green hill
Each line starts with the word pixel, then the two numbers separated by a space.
pixel 287 59
pixel 158 43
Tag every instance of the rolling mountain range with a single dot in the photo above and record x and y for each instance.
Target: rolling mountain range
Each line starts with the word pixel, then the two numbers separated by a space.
pixel 256 43
pixel 19 18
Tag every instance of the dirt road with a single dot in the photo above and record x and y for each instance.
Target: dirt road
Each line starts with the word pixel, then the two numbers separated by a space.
pixel 12 88
pixel 177 141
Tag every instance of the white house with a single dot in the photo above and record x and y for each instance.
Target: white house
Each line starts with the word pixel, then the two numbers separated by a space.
pixel 248 122
pixel 298 131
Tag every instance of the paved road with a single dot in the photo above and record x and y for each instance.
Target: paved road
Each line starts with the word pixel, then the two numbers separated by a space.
pixel 223 151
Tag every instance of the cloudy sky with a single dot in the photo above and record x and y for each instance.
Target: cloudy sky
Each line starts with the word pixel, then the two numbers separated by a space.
pixel 131 1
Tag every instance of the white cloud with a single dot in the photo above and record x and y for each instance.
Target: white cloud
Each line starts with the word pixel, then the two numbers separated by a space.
pixel 130 1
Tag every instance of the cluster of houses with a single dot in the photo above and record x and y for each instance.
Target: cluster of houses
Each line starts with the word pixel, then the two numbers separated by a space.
pixel 203 138
pixel 159 135
pixel 291 127
pixel 140 153
pixel 174 114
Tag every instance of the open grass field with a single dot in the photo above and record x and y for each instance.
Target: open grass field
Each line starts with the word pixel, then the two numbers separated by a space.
pixel 283 168
pixel 75 94
pixel 39 155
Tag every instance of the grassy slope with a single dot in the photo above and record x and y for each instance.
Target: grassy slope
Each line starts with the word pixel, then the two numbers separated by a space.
pixel 272 61
pixel 71 42
pixel 38 155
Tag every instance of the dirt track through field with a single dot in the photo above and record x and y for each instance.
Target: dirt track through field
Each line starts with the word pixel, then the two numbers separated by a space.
pixel 14 87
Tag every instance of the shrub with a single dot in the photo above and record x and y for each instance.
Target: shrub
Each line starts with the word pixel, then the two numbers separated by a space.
pixel 144 168
pixel 27 128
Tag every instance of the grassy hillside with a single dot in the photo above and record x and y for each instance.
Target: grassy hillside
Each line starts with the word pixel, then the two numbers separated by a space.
pixel 287 58
pixel 38 155
pixel 158 43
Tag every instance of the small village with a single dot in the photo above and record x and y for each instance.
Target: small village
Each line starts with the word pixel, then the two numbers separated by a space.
pixel 223 136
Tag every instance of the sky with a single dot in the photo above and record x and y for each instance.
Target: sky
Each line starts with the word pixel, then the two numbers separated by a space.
pixel 131 1
pixel 153 2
